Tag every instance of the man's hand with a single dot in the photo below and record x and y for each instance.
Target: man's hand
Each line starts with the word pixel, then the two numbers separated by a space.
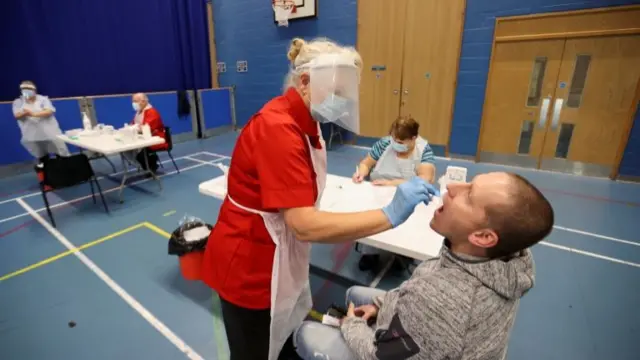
pixel 27 112
pixel 365 312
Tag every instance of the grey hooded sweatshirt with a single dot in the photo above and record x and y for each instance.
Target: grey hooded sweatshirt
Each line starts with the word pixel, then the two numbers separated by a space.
pixel 454 307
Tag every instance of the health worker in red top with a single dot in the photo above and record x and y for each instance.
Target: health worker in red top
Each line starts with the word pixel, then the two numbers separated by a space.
pixel 257 257
pixel 148 115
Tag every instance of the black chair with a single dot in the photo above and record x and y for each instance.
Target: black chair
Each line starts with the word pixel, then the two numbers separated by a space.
pixel 167 134
pixel 64 172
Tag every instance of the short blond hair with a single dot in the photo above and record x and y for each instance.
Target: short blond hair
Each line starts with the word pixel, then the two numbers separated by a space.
pixel 302 52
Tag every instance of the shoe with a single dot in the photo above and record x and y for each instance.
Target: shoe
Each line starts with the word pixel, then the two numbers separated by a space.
pixel 402 263
pixel 368 262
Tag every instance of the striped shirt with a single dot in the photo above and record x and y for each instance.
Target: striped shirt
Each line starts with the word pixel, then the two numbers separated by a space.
pixel 381 145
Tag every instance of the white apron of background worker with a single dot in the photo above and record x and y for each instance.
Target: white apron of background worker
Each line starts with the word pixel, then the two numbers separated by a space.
pixel 39 134
pixel 290 289
pixel 391 167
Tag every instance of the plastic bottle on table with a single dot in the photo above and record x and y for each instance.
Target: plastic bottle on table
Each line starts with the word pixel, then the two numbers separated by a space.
pixel 86 122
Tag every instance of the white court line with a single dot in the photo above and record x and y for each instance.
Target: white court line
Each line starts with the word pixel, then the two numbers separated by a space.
pixel 590 254
pixel 215 154
pixel 151 319
pixel 104 192
pixel 382 273
pixel 576 231
pixel 604 237
pixel 203 162
pixel 98 178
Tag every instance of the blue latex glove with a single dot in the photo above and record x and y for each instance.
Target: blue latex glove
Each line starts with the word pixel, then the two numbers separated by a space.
pixel 408 195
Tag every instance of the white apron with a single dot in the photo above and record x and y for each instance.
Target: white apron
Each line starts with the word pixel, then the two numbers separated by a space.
pixel 290 289
pixel 391 167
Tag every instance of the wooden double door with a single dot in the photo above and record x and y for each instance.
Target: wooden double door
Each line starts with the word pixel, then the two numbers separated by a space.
pixel 410 50
pixel 561 104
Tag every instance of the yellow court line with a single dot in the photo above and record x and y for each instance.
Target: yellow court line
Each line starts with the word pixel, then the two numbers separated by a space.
pixel 79 248
pixel 169 213
pixel 156 230
pixel 315 315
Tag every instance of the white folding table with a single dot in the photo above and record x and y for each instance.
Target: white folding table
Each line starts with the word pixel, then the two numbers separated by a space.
pixel 414 238
pixel 108 144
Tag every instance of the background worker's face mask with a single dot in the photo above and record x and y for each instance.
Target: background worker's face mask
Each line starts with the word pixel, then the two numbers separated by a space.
pixel 334 82
pixel 399 147
pixel 136 106
pixel 27 93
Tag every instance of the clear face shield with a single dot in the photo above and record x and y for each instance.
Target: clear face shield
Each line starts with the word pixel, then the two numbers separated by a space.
pixel 334 89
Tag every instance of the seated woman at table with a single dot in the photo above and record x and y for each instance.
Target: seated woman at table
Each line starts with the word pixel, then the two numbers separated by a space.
pixel 148 115
pixel 393 160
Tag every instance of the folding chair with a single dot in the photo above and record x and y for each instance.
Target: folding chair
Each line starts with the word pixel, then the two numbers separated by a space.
pixel 64 172
pixel 167 134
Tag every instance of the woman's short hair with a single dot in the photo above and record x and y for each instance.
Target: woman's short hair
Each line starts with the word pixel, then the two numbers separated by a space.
pixel 404 128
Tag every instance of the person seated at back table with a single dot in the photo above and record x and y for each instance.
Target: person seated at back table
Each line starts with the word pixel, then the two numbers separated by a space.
pixel 393 160
pixel 460 305
pixel 148 115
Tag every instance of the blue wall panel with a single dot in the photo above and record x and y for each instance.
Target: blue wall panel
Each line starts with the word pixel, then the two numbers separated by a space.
pixel 474 67
pixel 12 150
pixel 216 108
pixel 167 105
pixel 245 30
pixel 113 110
pixel 631 160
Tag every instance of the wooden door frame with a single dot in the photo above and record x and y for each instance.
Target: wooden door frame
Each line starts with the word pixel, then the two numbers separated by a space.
pixel 504 34
pixel 455 81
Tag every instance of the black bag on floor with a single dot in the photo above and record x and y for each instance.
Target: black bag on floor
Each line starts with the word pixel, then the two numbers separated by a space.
pixel 190 236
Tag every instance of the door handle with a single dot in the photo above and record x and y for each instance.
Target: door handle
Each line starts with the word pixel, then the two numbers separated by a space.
pixel 544 111
pixel 406 92
pixel 557 109
pixel 395 92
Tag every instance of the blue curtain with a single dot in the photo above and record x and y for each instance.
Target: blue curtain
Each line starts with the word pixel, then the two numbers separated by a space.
pixel 96 47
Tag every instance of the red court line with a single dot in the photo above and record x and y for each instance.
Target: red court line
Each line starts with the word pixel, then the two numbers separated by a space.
pixel 592 197
pixel 16 228
pixel 339 254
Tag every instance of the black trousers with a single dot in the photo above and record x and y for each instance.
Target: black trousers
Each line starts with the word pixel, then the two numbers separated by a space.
pixel 152 158
pixel 248 333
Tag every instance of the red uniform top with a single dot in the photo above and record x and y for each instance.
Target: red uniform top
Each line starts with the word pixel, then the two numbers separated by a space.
pixel 270 169
pixel 151 117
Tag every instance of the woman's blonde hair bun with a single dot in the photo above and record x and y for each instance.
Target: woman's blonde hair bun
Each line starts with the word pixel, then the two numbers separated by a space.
pixel 294 49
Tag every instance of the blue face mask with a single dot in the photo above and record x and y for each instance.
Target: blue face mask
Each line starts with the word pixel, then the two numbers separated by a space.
pixel 26 93
pixel 398 147
pixel 331 109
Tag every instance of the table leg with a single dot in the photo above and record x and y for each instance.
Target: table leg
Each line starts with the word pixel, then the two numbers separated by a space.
pixel 125 174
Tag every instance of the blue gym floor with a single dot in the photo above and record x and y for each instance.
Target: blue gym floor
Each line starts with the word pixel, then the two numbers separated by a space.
pixel 127 300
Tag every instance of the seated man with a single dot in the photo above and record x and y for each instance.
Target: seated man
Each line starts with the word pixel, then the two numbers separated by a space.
pixel 460 305
pixel 393 160
pixel 147 115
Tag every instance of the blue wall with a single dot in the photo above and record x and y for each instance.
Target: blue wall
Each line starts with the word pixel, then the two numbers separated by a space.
pixel 245 30
pixel 474 68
